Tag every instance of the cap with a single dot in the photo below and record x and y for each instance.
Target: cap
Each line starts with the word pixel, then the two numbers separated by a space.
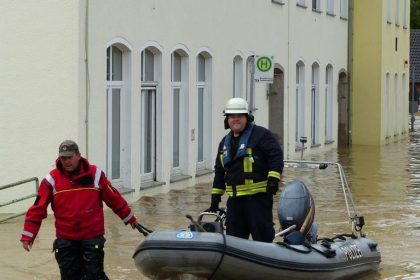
pixel 68 148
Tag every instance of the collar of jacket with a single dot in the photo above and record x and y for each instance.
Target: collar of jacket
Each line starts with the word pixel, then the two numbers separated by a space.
pixel 243 144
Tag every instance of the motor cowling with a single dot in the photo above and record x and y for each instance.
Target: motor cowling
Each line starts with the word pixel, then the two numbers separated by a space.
pixel 296 207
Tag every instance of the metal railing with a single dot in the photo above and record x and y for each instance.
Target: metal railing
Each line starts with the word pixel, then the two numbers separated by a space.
pixel 20 198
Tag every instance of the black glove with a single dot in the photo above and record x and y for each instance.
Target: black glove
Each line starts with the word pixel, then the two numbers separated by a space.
pixel 215 200
pixel 272 185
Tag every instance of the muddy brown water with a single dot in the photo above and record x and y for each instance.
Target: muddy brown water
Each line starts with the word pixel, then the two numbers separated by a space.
pixel 385 183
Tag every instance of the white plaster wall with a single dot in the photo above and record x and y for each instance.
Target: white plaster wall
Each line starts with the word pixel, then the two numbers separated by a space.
pixel 38 85
pixel 44 74
pixel 223 27
pixel 314 37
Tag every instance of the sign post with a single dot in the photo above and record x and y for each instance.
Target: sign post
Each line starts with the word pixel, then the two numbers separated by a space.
pixel 264 70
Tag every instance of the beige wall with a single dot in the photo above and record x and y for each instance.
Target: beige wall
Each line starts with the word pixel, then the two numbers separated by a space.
pixel 374 55
pixel 39 84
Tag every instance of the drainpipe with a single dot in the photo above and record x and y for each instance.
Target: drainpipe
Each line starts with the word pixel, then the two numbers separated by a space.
pixel 288 80
pixel 350 67
pixel 87 80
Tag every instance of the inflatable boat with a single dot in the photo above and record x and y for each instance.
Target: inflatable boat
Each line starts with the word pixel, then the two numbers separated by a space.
pixel 204 251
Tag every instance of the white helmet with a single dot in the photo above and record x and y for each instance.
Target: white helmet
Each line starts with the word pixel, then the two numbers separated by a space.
pixel 236 106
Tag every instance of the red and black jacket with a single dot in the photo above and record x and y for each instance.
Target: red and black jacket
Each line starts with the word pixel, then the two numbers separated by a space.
pixel 76 200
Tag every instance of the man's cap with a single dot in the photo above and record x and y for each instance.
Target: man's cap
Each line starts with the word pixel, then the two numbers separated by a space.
pixel 68 148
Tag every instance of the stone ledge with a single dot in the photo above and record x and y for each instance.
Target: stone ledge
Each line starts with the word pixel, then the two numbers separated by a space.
pixel 203 172
pixel 150 185
pixel 180 178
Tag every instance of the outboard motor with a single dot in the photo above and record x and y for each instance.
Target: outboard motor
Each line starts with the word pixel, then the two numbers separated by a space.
pixel 297 208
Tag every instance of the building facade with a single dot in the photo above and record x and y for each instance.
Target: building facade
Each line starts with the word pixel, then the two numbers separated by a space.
pixel 141 85
pixel 380 71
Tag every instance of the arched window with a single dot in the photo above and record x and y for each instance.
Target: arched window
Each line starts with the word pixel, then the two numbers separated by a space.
pixel 329 103
pixel 118 110
pixel 404 108
pixel 315 104
pixel 150 109
pixel 204 112
pixel 179 85
pixel 237 76
pixel 300 102
pixel 396 104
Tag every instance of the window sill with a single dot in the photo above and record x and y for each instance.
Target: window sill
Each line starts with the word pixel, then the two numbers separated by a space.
pixel 203 172
pixel 278 2
pixel 328 142
pixel 315 146
pixel 151 185
pixel 125 190
pixel 344 18
pixel 317 11
pixel 179 178
pixel 330 14
pixel 301 5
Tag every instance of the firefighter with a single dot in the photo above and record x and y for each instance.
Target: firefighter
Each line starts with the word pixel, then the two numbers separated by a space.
pixel 76 191
pixel 248 168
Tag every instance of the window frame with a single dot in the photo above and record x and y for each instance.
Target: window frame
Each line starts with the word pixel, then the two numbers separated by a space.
pixel 330 8
pixel 316 5
pixel 344 9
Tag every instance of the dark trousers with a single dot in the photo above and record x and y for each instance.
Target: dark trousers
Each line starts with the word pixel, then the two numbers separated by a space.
pixel 251 214
pixel 80 259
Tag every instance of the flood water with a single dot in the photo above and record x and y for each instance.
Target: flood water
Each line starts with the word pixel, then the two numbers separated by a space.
pixel 385 183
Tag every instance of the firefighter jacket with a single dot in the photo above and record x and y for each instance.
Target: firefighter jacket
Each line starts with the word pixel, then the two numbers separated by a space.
pixel 245 171
pixel 77 203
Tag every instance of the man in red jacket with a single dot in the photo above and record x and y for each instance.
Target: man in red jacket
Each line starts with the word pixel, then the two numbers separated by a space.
pixel 76 190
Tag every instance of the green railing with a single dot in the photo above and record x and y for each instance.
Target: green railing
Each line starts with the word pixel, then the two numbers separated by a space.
pixel 20 198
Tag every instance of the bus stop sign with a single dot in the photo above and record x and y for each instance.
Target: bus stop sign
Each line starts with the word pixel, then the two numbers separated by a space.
pixel 264 70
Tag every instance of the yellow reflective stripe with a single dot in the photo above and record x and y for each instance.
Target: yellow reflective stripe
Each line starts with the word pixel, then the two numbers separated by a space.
pixel 247 189
pixel 246 167
pixel 217 191
pixel 221 160
pixel 78 189
pixel 109 187
pixel 248 160
pixel 274 174
pixel 246 164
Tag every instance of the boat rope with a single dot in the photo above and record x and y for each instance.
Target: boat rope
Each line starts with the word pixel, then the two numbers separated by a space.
pixel 221 258
pixel 326 242
pixel 329 253
pixel 341 236
pixel 284 244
